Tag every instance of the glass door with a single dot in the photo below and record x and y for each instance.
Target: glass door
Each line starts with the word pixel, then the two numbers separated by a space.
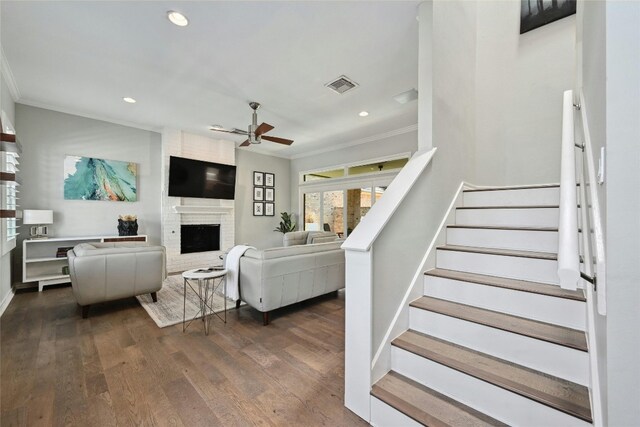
pixel 358 204
pixel 312 214
pixel 339 210
pixel 333 212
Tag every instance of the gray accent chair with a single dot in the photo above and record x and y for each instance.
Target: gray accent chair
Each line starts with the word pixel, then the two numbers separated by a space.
pixel 277 277
pixel 109 271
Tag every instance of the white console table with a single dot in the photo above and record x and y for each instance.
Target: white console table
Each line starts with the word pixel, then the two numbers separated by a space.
pixel 41 264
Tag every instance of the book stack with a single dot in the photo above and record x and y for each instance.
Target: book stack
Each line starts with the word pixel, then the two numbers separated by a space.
pixel 62 252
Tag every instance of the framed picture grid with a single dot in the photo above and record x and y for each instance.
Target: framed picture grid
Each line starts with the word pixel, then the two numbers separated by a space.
pixel 264 193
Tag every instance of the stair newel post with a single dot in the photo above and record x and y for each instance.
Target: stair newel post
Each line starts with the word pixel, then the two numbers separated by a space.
pixel 358 331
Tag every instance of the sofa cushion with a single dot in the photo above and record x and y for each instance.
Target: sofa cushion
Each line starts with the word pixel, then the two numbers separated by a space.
pixel 321 237
pixel 291 250
pixel 295 238
pixel 91 249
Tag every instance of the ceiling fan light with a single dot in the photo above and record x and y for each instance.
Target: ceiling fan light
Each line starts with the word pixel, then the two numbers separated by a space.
pixel 177 18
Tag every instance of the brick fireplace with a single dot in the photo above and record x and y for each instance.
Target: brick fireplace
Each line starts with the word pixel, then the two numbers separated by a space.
pixel 184 211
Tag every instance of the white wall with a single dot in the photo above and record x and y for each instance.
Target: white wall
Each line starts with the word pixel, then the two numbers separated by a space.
pixel 454 86
pixel 520 81
pixel 258 230
pixel 622 141
pixel 610 36
pixel 48 136
pixel 6 102
pixel 403 143
pixel 593 75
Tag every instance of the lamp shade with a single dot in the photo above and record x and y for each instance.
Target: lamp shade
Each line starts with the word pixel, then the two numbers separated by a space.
pixel 32 216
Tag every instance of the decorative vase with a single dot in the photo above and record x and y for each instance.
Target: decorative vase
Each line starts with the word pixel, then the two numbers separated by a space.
pixel 127 228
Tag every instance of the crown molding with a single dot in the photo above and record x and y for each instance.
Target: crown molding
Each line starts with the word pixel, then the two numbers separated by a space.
pixel 372 138
pixel 5 69
pixel 99 117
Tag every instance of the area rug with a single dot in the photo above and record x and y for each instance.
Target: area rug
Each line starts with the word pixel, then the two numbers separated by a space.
pixel 168 310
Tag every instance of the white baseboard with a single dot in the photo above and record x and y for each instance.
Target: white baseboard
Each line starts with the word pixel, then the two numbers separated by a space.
pixel 5 302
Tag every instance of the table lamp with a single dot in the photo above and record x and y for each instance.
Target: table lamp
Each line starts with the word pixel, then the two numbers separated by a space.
pixel 37 218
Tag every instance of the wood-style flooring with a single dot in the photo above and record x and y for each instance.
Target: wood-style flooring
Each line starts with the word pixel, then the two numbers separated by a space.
pixel 118 368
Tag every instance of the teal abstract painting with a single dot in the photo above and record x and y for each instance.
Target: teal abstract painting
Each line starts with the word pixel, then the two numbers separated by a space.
pixel 88 178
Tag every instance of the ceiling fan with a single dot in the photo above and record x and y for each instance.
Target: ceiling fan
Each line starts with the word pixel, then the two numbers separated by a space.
pixel 256 133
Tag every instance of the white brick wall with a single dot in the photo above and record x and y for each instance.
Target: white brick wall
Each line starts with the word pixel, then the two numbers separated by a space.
pixel 181 144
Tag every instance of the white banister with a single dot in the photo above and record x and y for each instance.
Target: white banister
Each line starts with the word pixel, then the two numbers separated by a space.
pixel 371 225
pixel 568 250
pixel 597 237
pixel 378 273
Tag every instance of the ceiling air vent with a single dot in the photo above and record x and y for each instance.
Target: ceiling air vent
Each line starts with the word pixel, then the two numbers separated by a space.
pixel 341 85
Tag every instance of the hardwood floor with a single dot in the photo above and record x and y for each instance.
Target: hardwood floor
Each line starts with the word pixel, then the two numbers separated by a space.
pixel 118 368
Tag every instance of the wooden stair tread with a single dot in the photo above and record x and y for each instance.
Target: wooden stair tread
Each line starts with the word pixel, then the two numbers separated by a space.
pixel 557 393
pixel 503 282
pixel 511 207
pixel 502 252
pixel 502 227
pixel 548 332
pixel 521 187
pixel 414 400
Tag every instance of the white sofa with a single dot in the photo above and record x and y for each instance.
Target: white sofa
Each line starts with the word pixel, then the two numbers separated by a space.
pixel 277 277
pixel 109 271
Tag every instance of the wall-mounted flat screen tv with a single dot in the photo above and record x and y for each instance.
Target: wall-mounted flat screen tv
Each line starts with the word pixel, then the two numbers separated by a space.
pixel 195 178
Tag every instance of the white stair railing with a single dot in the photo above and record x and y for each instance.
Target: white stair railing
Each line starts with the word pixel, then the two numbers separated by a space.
pixel 593 235
pixel 593 252
pixel 381 256
pixel 568 249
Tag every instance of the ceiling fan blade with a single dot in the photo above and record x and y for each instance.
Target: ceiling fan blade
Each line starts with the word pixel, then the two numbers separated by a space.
pixel 234 130
pixel 245 144
pixel 263 128
pixel 278 140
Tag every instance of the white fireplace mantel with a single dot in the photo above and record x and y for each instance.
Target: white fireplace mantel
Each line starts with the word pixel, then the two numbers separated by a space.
pixel 217 210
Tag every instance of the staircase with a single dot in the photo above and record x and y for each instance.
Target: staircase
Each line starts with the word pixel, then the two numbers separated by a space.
pixel 494 340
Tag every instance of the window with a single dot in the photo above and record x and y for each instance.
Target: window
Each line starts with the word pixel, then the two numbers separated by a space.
pixel 8 200
pixel 320 175
pixel 387 166
pixel 337 198
pixel 366 167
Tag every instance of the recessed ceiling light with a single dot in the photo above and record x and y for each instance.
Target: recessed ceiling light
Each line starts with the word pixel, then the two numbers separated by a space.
pixel 363 114
pixel 129 100
pixel 177 18
pixel 408 96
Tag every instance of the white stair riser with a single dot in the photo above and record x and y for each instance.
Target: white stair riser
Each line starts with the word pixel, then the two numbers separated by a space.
pixel 558 311
pixel 543 356
pixel 538 217
pixel 525 240
pixel 383 415
pixel 497 402
pixel 530 197
pixel 532 269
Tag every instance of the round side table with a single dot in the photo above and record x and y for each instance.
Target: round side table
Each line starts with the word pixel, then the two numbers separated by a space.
pixel 204 282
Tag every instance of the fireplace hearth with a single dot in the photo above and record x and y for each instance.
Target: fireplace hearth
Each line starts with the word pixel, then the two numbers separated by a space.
pixel 199 238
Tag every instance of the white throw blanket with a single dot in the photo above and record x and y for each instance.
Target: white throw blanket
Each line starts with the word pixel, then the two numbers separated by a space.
pixel 232 264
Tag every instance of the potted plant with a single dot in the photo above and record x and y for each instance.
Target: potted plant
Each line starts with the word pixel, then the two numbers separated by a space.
pixel 287 224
